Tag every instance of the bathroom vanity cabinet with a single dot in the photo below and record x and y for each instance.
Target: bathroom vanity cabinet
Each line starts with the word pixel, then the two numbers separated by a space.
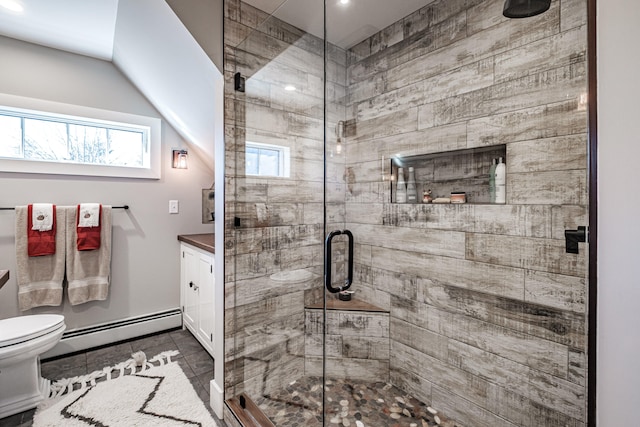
pixel 197 282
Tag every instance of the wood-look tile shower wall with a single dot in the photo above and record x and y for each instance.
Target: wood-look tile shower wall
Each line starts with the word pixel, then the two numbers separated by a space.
pixel 274 259
pixel 487 311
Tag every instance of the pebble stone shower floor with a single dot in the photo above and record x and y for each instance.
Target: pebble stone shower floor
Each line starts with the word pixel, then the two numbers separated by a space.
pixel 349 403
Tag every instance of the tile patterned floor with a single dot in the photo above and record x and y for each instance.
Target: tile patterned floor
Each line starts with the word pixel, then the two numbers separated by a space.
pixel 349 403
pixel 194 360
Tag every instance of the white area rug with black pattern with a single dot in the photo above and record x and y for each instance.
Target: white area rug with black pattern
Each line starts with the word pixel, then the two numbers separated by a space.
pixel 133 393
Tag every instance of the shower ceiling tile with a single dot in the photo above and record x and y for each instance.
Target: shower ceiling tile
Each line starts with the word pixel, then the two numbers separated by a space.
pixel 347 24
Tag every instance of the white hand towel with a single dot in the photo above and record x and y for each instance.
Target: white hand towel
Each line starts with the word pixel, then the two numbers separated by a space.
pixel 42 217
pixel 89 215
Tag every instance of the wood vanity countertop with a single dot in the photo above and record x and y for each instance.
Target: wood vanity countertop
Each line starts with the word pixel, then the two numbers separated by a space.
pixel 202 241
pixel 4 277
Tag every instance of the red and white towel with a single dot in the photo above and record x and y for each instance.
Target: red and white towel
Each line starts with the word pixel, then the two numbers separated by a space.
pixel 89 226
pixel 41 229
pixel 88 254
pixel 52 242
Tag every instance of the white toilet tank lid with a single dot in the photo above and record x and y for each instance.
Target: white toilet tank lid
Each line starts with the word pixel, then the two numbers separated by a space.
pixel 24 328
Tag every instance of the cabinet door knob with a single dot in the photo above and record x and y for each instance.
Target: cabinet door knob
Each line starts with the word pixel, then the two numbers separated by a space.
pixel 191 284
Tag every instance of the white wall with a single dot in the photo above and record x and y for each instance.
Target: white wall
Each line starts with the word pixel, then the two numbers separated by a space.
pixel 145 260
pixel 159 55
pixel 618 372
pixel 203 19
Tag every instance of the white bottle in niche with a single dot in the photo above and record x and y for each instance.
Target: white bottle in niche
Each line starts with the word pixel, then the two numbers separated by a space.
pixel 401 188
pixel 492 181
pixel 501 182
pixel 412 191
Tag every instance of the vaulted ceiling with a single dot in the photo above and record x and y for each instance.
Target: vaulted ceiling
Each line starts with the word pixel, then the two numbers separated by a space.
pixel 147 42
pixel 151 46
pixel 78 26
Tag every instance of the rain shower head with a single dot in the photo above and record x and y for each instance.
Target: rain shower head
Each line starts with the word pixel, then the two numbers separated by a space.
pixel 525 8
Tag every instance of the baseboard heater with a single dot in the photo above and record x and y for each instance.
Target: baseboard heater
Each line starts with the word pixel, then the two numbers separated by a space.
pixel 119 330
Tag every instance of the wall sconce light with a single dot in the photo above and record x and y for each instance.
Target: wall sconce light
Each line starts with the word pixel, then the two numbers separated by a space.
pixel 179 159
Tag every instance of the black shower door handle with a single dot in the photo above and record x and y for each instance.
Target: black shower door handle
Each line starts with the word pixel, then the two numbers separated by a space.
pixel 572 237
pixel 327 262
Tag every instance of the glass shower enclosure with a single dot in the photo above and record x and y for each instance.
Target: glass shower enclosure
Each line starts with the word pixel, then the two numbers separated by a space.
pixel 450 313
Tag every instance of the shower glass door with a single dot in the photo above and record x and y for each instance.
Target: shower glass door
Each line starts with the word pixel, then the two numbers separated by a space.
pixel 276 222
pixel 472 313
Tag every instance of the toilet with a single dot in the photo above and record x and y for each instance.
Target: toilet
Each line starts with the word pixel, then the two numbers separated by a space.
pixel 22 340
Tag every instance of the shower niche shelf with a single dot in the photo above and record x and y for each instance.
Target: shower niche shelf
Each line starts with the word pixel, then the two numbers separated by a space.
pixel 445 172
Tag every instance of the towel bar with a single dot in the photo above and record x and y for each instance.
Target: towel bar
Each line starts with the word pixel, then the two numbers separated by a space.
pixel 125 207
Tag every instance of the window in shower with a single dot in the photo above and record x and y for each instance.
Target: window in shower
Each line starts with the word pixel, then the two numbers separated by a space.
pixel 267 160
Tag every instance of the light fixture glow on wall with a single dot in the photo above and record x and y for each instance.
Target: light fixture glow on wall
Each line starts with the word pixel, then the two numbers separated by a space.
pixel 180 158
pixel 339 135
pixel 290 88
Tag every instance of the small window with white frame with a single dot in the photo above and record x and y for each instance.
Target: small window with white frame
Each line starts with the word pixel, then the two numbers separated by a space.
pixel 74 140
pixel 267 160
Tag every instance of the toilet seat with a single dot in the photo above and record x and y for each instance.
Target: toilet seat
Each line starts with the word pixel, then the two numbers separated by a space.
pixel 23 340
pixel 20 329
